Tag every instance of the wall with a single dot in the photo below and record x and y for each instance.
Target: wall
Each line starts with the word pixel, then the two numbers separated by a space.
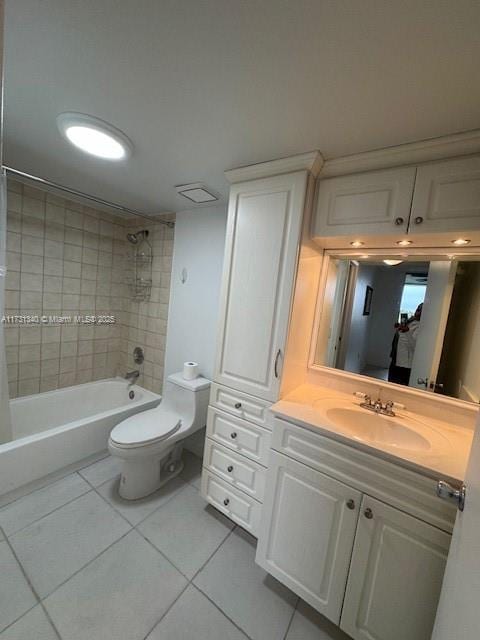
pixel 193 314
pixel 357 338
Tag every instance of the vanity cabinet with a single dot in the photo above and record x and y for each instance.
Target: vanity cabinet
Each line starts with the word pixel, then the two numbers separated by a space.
pixel 435 197
pixel 263 234
pixel 360 539
pixel 395 575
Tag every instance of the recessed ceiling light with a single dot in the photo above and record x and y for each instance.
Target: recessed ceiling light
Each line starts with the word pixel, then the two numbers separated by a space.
pixel 461 241
pixel 392 263
pixel 197 193
pixel 357 243
pixel 94 136
pixel 404 243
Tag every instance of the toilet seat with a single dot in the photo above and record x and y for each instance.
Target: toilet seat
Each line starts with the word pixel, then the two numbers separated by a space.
pixel 145 428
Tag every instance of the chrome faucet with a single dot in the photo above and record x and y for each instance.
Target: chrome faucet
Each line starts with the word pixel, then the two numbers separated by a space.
pixel 376 405
pixel 132 377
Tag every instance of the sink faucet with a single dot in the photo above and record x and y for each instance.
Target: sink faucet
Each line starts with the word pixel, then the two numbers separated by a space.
pixel 376 405
pixel 132 377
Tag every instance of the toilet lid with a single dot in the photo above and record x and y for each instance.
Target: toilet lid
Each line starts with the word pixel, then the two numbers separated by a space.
pixel 145 428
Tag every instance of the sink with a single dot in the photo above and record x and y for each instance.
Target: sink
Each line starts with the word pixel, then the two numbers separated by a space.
pixel 374 428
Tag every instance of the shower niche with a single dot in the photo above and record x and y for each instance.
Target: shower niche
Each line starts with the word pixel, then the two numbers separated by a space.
pixel 140 280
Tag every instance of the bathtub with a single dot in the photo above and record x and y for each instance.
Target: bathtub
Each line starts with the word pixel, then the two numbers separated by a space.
pixel 57 428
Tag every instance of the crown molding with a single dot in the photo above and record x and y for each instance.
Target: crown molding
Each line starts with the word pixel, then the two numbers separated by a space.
pixel 459 144
pixel 311 161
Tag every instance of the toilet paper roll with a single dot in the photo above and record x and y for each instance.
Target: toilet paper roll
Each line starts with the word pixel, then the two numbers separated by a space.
pixel 190 370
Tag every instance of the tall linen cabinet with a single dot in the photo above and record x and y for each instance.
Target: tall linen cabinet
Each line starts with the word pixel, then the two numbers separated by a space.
pixel 264 229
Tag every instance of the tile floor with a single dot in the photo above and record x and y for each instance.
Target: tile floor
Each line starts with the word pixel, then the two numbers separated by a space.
pixel 79 563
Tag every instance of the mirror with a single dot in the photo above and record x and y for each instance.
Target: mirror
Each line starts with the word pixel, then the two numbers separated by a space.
pixel 413 322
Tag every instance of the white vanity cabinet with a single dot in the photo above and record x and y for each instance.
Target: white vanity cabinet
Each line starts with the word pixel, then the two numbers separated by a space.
pixel 371 203
pixel 263 234
pixel 435 197
pixel 359 538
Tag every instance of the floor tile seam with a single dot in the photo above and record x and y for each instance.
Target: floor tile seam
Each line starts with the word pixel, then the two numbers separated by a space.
pixel 166 611
pixel 49 618
pixel 165 557
pixel 291 618
pixel 23 570
pixel 10 624
pixel 109 504
pixel 213 553
pixel 45 597
pixel 45 515
pixel 218 607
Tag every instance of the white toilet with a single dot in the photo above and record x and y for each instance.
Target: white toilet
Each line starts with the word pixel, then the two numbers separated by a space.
pixel 150 443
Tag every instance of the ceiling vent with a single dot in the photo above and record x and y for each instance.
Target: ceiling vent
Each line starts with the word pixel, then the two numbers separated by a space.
pixel 196 192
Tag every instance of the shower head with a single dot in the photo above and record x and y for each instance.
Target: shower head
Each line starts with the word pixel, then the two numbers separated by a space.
pixel 135 237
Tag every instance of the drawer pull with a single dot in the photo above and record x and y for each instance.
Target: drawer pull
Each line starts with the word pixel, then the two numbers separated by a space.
pixel 418 220
pixel 226 502
pixel 368 513
pixel 233 435
pixel 399 221
pixel 350 504
pixel 230 468
pixel 238 405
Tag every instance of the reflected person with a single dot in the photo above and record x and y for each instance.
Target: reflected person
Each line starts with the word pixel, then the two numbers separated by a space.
pixel 403 348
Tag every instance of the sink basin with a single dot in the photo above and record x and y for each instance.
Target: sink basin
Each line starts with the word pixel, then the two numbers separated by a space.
pixel 367 426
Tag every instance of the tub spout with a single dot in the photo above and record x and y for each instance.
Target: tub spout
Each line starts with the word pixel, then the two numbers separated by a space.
pixel 132 377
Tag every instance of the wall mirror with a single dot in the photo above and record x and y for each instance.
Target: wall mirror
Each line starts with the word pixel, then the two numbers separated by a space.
pixel 411 320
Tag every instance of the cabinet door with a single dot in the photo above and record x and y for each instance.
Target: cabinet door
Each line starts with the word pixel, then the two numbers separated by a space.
pixel 306 533
pixel 373 203
pixel 263 233
pixel 395 576
pixel 447 196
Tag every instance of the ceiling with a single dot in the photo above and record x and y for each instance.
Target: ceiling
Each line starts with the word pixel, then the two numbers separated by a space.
pixel 201 86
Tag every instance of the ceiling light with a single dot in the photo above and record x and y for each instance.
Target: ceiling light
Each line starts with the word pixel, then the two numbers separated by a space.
pixel 357 243
pixel 196 192
pixel 94 136
pixel 461 241
pixel 392 263
pixel 404 243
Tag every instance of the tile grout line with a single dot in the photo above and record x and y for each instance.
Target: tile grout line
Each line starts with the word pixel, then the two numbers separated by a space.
pixel 291 618
pixel 49 618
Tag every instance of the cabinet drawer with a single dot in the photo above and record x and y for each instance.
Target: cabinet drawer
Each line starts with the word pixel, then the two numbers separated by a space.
pixel 239 435
pixel 239 507
pixel 409 491
pixel 240 405
pixel 244 474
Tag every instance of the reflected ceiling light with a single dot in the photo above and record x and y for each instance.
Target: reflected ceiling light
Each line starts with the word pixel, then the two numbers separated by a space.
pixel 404 243
pixel 461 241
pixel 392 263
pixel 94 136
pixel 357 243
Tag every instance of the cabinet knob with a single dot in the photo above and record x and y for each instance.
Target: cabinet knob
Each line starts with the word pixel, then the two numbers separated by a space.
pixel 233 435
pixel 226 502
pixel 230 468
pixel 351 504
pixel 418 220
pixel 368 513
pixel 238 405
pixel 399 221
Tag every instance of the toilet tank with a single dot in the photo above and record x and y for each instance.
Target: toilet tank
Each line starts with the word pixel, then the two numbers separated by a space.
pixel 189 398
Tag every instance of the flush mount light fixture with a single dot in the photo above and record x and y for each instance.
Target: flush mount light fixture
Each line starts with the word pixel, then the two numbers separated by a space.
pixel 404 243
pixel 357 243
pixel 94 136
pixel 196 192
pixel 460 242
pixel 392 263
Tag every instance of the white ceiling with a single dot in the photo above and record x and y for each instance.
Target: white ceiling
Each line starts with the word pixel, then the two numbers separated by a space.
pixel 201 86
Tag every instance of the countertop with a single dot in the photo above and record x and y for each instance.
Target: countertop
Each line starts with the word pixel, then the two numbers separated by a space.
pixel 446 458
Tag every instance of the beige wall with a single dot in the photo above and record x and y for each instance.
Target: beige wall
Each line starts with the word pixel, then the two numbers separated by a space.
pixel 66 259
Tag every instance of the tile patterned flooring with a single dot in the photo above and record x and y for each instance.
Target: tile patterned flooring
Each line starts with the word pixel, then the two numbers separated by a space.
pixel 79 563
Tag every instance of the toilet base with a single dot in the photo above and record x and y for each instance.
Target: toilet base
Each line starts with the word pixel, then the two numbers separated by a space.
pixel 140 478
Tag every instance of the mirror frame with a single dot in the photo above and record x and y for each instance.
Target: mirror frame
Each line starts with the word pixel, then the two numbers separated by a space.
pixel 414 254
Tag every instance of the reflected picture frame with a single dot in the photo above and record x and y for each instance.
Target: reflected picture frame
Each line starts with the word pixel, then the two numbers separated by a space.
pixel 367 305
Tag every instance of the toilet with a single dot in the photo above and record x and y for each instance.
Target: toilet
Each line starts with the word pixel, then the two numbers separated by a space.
pixel 150 443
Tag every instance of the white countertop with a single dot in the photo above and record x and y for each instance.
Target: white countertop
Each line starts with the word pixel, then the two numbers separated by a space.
pixel 445 458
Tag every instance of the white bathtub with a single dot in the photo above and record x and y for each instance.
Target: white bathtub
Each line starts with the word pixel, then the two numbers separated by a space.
pixel 55 429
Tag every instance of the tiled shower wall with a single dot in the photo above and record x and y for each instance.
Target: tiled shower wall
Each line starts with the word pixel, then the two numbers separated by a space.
pixel 65 259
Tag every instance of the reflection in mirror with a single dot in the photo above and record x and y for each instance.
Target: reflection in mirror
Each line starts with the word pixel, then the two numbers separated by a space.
pixel 414 323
